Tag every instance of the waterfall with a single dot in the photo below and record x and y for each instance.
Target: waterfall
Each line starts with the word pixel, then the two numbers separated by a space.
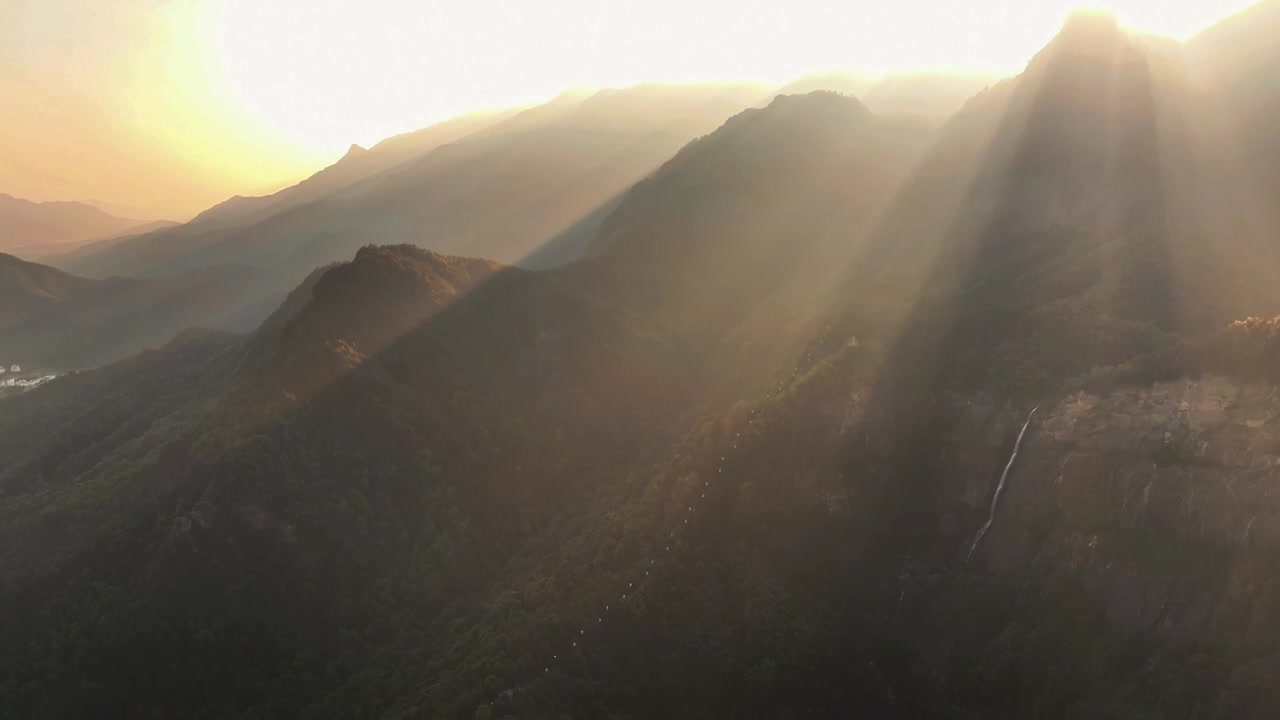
pixel 995 499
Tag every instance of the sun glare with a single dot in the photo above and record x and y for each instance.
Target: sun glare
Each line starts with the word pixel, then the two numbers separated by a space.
pixel 333 73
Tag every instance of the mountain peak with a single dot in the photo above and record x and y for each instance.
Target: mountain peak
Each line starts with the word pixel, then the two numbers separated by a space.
pixel 820 101
pixel 1090 41
pixel 354 151
pixel 360 307
pixel 1091 20
pixel 1089 30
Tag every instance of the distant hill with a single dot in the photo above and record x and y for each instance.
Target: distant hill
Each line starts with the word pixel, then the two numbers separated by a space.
pixel 44 227
pixel 51 319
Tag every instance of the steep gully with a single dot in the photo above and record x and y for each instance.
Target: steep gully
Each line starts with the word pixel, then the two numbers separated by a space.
pixel 995 499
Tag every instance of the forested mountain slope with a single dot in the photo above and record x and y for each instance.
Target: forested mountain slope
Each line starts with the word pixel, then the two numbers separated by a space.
pixel 519 392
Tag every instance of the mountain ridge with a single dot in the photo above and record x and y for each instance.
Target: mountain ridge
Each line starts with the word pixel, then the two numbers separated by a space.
pixel 47 227
pixel 54 320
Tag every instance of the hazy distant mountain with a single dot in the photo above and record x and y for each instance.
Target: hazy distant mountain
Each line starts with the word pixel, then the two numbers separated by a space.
pixel 1239 48
pixel 1237 63
pixel 530 187
pixel 837 81
pixel 40 227
pixel 355 166
pixel 49 319
pixel 46 253
pixel 141 254
pixel 837 410
pixel 930 96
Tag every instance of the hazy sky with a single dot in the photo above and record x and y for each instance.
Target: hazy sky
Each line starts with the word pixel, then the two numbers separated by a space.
pixel 166 106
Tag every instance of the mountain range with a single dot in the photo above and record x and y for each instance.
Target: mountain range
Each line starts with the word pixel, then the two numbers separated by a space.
pixel 468 185
pixel 667 402
pixel 556 170
pixel 51 228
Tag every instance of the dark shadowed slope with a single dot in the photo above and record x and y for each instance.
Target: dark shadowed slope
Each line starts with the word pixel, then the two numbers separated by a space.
pixel 489 380
pixel 26 287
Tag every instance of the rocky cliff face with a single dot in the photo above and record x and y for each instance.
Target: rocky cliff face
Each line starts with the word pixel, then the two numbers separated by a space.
pixel 1156 498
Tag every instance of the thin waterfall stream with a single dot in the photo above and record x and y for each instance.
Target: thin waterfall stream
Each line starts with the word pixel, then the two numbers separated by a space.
pixel 1004 476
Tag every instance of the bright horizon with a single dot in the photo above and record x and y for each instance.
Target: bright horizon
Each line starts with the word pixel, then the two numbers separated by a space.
pixel 161 108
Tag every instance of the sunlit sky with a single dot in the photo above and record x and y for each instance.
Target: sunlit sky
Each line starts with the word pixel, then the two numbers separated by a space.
pixel 163 107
